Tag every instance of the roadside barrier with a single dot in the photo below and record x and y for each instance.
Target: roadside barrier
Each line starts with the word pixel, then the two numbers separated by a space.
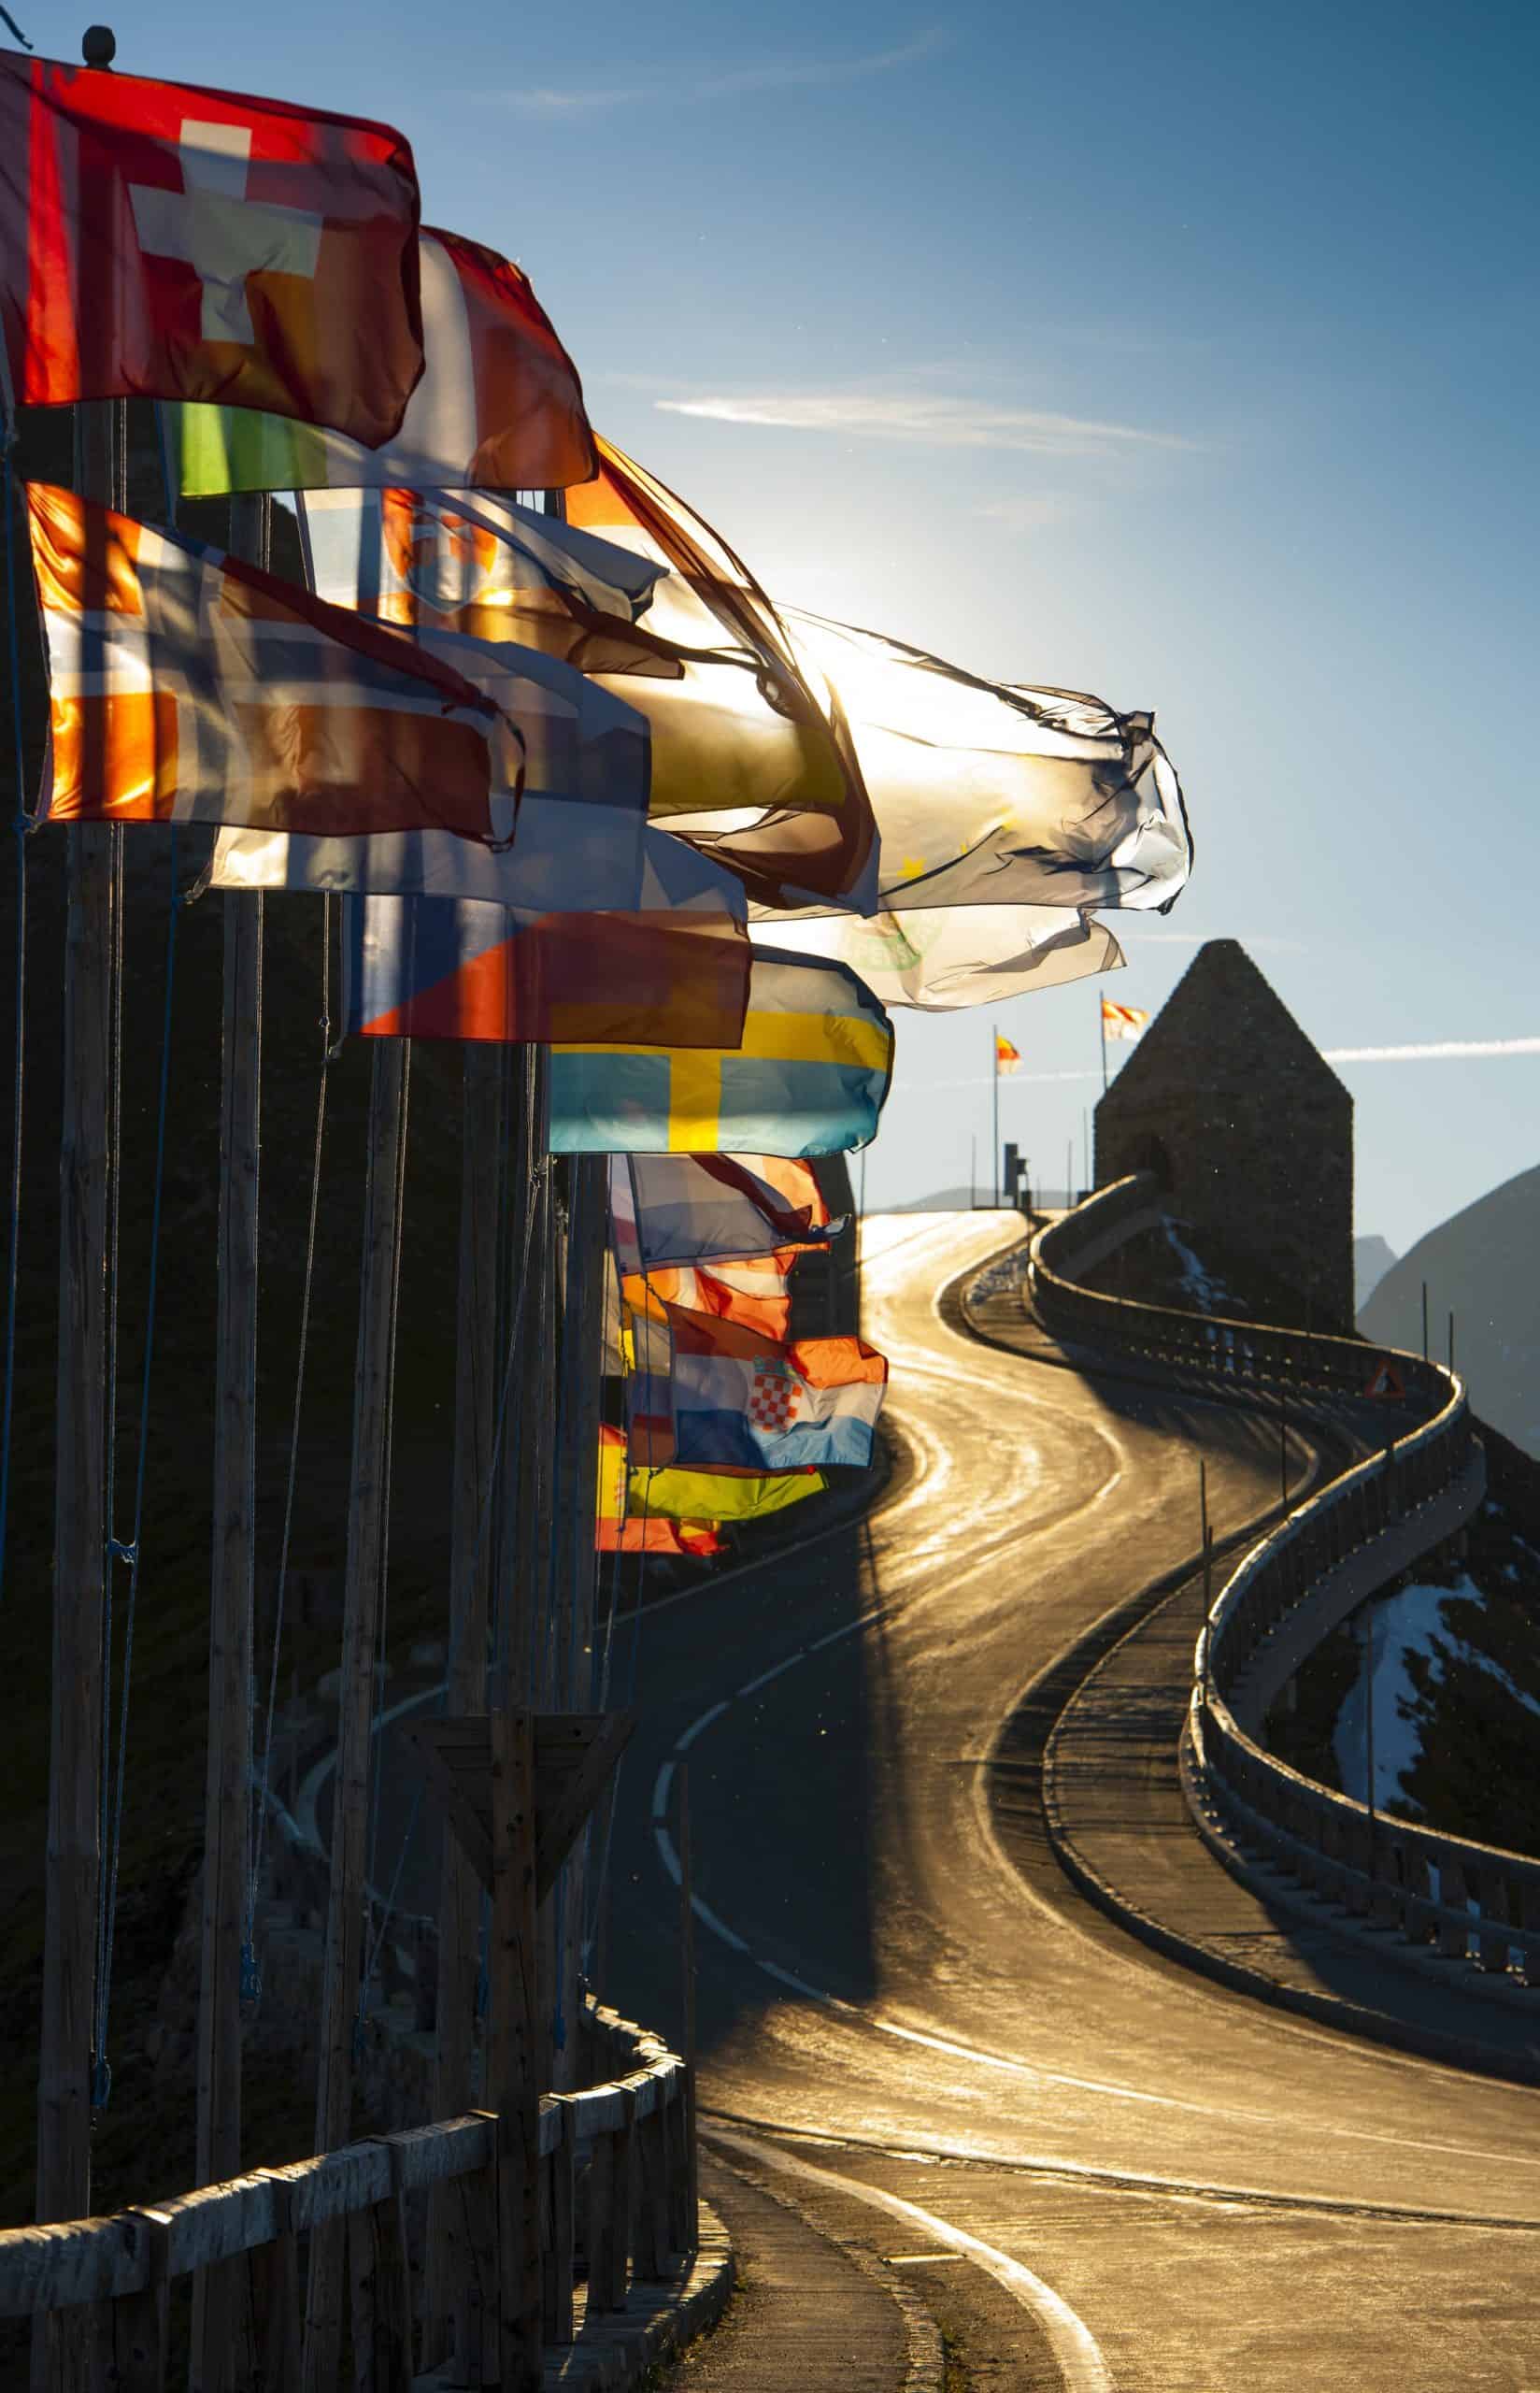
pixel 1470 1902
pixel 626 2215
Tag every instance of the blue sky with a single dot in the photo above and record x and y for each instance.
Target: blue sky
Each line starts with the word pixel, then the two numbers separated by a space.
pixel 1177 352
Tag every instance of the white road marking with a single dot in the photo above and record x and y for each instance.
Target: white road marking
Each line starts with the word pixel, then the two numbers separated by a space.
pixel 1072 2345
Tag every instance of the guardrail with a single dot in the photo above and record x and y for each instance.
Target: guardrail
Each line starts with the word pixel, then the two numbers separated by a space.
pixel 1470 1901
pixel 631 2210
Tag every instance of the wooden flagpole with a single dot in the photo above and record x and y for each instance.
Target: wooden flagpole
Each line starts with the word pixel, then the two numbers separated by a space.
pixel 478 1369
pixel 218 2325
pixel 514 2058
pixel 60 2357
pixel 359 1634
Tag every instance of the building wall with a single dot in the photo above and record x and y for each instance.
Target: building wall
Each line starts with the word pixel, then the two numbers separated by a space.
pixel 1249 1128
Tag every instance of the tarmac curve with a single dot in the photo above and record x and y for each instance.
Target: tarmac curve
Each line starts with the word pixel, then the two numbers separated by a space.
pixel 1210 2191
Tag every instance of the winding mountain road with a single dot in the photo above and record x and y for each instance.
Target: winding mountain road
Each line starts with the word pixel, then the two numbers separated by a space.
pixel 1203 2191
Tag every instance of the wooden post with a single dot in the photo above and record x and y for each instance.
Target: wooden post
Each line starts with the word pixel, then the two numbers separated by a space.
pixel 556 2289
pixel 686 1958
pixel 73 1861
pixel 360 1628
pixel 446 2328
pixel 217 2327
pixel 513 2049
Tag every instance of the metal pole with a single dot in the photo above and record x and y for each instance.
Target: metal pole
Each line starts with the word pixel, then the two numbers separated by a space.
pixel 973 1170
pixel 1424 1321
pixel 1101 1019
pixel 1283 1447
pixel 1369 1723
pixel 1451 1341
pixel 994 1126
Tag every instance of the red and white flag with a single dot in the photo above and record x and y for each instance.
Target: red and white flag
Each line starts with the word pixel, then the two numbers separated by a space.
pixel 164 241
pixel 499 405
pixel 187 687
pixel 1122 1022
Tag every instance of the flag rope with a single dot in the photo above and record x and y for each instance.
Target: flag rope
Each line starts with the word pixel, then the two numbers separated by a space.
pixel 132 1553
pixel 259 1828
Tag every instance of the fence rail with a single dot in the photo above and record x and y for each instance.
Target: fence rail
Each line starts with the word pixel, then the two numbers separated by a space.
pixel 632 2129
pixel 1470 1902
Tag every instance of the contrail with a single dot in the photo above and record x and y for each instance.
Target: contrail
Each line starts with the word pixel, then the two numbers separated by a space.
pixel 1433 1052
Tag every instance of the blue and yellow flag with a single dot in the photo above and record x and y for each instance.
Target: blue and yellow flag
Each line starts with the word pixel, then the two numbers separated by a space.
pixel 809 1079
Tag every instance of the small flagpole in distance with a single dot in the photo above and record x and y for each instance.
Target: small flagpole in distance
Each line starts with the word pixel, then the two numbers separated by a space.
pixel 1101 1020
pixel 994 1120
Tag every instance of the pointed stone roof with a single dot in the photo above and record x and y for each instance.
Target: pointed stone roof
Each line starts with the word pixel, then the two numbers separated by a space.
pixel 1223 1010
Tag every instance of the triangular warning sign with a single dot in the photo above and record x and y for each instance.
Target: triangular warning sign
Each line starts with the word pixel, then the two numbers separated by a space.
pixel 1385 1379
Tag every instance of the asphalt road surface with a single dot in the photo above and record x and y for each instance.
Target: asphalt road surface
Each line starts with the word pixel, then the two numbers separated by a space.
pixel 1190 2190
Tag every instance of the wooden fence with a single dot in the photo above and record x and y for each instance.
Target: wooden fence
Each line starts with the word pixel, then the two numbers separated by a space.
pixel 615 2196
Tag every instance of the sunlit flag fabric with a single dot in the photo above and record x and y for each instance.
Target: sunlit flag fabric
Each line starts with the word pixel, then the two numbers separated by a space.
pixel 808 835
pixel 1008 1058
pixel 162 240
pixel 809 1077
pixel 995 794
pixel 499 402
pixel 460 561
pixel 187 687
pixel 705 1209
pixel 733 736
pixel 672 1493
pixel 938 958
pixel 578 820
pixel 757 1403
pixel 640 1532
pixel 754 1291
pixel 1122 1022
pixel 436 968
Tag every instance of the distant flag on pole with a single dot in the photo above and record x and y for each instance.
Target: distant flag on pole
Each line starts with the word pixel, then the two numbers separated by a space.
pixel 1007 1059
pixel 1122 1022
pixel 187 687
pixel 499 403
pixel 160 240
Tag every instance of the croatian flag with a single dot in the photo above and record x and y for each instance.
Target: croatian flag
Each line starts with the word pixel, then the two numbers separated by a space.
pixel 751 1403
pixel 164 241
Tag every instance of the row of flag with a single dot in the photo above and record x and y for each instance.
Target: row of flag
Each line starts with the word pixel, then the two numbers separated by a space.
pixel 574 774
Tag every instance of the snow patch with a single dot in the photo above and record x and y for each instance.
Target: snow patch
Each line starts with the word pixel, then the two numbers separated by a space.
pixel 1404 1624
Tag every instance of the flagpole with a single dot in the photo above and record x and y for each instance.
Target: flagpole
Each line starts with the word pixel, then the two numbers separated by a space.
pixel 72 1859
pixel 994 1092
pixel 1100 1018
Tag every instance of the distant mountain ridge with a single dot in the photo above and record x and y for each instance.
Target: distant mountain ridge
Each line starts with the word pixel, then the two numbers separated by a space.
pixel 1371 1258
pixel 1479 1264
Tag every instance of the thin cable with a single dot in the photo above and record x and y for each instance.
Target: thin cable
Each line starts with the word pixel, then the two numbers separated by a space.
pixel 378 1735
pixel 375 1944
pixel 112 1847
pixel 101 2076
pixel 19 825
pixel 259 1830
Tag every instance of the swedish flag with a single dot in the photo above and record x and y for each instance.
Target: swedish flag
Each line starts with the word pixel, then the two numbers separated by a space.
pixel 809 1078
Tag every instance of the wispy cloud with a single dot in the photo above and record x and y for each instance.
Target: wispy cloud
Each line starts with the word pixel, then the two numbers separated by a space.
pixel 729 83
pixel 1032 514
pixel 923 417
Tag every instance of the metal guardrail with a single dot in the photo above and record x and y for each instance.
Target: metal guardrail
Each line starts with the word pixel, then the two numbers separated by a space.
pixel 1469 1900
pixel 634 2130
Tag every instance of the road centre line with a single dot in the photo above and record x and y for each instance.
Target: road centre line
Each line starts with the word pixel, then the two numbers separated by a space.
pixel 1141 2183
pixel 1073 2346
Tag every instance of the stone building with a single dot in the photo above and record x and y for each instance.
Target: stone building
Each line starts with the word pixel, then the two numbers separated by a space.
pixel 1247 1127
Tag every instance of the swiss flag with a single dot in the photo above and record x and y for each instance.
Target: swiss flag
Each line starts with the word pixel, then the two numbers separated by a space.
pixel 163 241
